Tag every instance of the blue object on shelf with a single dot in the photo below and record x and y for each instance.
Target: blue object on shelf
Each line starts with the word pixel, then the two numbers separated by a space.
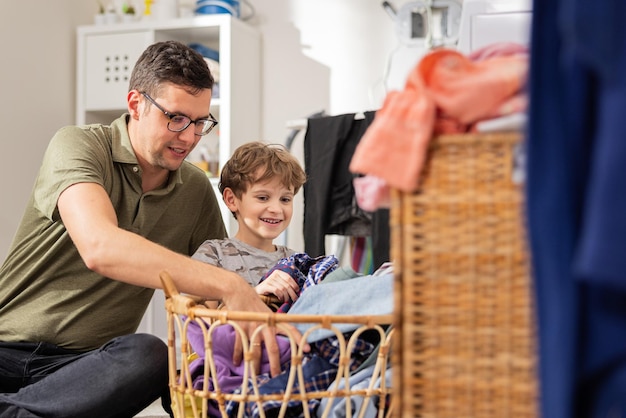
pixel 205 51
pixel 218 6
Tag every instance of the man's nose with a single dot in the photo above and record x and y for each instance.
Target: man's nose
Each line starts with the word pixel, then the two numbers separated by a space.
pixel 188 134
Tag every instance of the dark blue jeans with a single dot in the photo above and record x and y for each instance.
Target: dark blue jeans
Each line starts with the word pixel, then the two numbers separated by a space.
pixel 119 379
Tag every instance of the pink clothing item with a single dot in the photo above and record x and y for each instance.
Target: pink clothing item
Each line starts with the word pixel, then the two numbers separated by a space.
pixel 498 49
pixel 371 193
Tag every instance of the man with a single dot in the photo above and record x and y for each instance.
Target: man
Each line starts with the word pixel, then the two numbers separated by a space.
pixel 112 207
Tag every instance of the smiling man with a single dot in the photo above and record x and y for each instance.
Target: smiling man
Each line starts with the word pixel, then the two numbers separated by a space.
pixel 112 207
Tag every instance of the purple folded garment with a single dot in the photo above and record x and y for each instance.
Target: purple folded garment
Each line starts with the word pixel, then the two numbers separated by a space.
pixel 228 376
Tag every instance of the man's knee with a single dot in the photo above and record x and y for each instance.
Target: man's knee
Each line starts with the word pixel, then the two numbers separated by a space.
pixel 148 346
pixel 141 351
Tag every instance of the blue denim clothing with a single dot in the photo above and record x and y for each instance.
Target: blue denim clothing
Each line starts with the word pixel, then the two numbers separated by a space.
pixel 363 295
pixel 120 379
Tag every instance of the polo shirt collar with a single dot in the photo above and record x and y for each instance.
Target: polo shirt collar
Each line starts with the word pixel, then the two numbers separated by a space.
pixel 122 149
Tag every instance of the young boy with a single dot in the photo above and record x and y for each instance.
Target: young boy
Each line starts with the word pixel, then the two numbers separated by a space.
pixel 258 185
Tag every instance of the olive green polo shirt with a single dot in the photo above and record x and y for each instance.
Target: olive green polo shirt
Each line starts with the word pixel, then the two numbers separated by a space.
pixel 46 291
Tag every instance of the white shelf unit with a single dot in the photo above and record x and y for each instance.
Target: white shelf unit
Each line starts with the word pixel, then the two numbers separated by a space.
pixel 106 55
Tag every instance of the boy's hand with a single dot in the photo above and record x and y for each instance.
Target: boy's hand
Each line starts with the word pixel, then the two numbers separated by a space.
pixel 280 284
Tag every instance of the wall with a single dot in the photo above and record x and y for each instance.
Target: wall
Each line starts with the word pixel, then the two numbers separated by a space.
pixel 322 55
pixel 317 55
pixel 37 85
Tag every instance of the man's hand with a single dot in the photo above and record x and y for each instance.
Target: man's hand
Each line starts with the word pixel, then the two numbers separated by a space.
pixel 246 299
pixel 265 340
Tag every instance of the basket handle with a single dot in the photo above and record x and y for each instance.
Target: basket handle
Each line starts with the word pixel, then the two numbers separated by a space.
pixel 169 288
pixel 168 285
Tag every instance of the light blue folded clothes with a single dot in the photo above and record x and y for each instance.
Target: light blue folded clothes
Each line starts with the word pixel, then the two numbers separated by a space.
pixel 362 295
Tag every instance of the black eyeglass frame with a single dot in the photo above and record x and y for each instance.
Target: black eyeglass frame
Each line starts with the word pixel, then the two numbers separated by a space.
pixel 211 119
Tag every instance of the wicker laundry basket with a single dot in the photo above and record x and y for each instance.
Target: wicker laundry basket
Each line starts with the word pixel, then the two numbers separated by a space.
pixel 248 400
pixel 463 309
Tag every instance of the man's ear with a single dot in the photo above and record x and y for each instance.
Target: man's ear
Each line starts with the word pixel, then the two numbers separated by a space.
pixel 132 100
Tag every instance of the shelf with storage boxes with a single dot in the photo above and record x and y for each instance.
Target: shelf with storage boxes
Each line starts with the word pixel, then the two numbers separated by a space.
pixel 106 55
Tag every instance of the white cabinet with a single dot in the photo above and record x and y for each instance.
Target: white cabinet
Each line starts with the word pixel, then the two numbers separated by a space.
pixel 106 55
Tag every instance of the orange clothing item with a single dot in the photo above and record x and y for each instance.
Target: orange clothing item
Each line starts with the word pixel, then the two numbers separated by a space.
pixel 394 146
pixel 446 92
pixel 470 91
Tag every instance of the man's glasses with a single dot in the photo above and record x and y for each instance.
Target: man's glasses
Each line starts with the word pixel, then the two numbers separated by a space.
pixel 178 123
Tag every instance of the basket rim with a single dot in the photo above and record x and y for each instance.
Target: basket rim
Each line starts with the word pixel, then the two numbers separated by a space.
pixel 477 137
pixel 199 311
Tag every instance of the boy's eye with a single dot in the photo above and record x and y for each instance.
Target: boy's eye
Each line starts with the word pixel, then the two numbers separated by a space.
pixel 285 199
pixel 262 198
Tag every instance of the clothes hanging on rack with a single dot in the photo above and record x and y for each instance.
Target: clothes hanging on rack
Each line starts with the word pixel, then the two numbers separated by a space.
pixel 329 202
pixel 362 259
pixel 297 126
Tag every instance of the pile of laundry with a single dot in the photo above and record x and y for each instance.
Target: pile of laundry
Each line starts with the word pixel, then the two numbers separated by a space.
pixel 326 289
pixel 447 92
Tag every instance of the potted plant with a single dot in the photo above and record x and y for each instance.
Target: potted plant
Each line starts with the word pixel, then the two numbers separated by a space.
pixel 110 15
pixel 100 18
pixel 128 12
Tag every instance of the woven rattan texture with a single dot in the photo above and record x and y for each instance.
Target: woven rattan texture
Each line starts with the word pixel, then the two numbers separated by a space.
pixel 463 311
pixel 189 400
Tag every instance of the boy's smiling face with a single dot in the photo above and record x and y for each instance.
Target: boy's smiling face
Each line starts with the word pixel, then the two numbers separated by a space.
pixel 263 212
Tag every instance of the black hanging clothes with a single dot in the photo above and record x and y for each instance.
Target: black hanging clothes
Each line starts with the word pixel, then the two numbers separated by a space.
pixel 329 202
